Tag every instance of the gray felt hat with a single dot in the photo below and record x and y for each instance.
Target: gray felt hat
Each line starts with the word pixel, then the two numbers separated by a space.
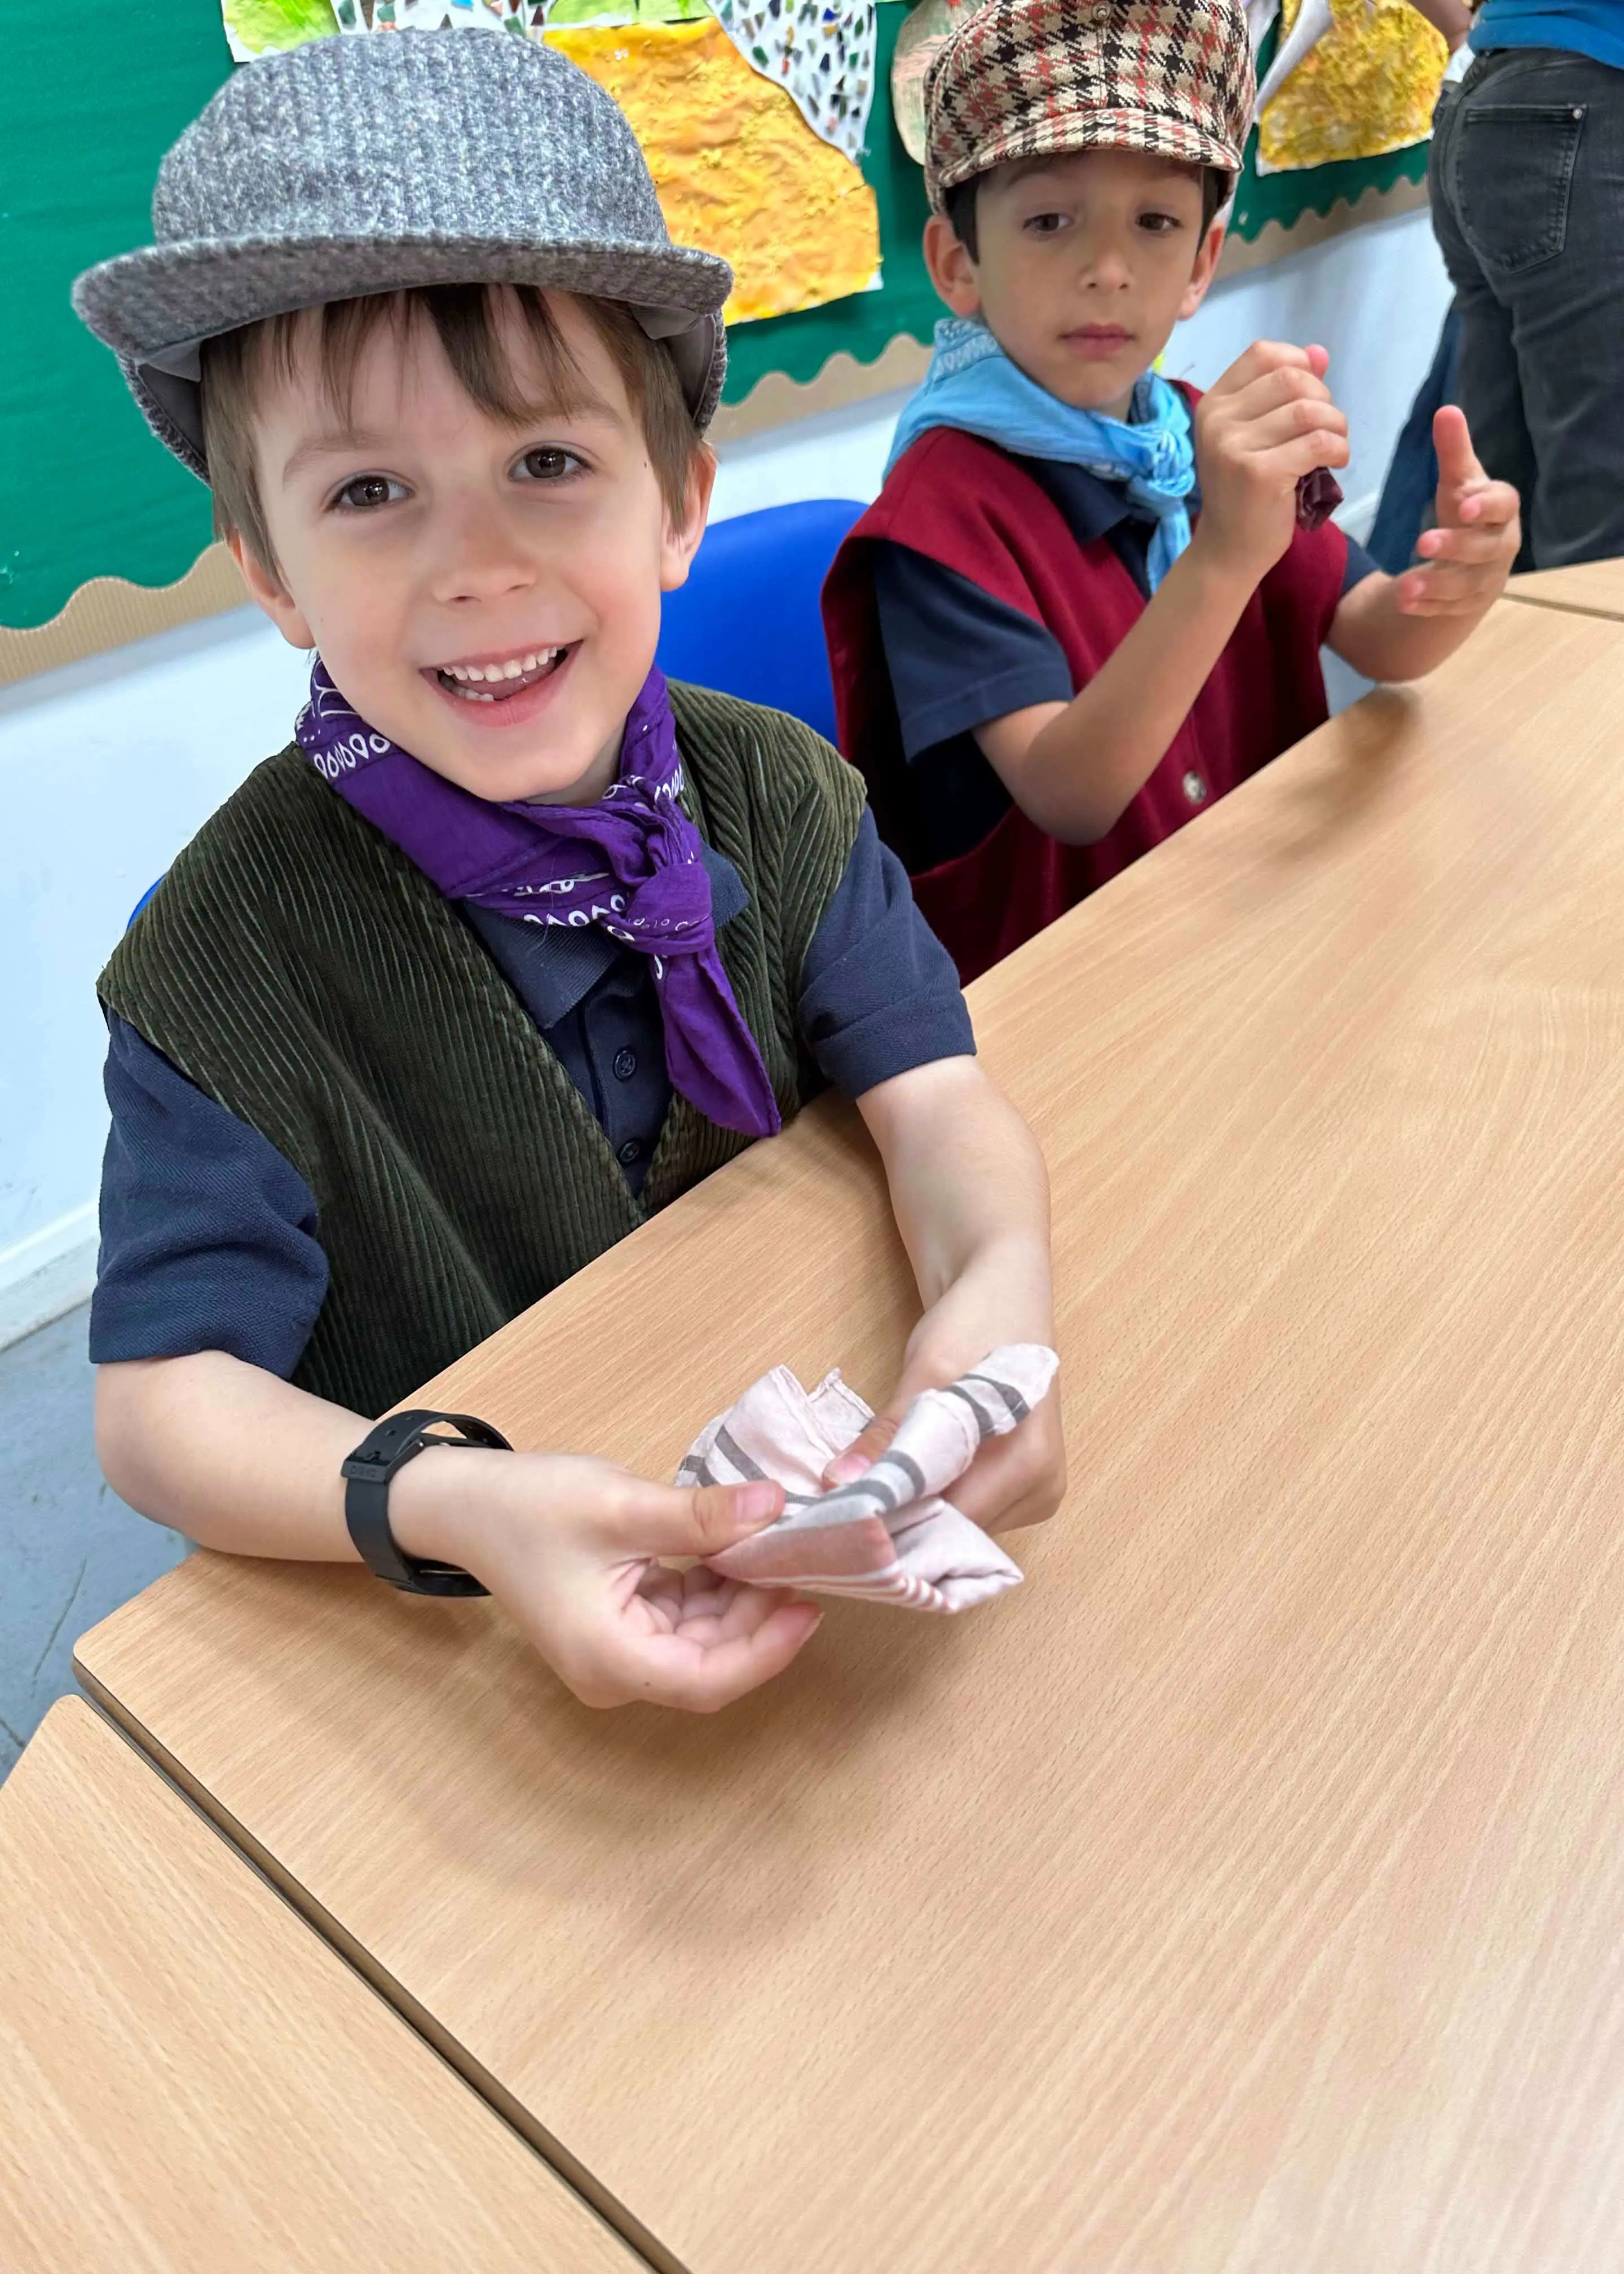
pixel 358 165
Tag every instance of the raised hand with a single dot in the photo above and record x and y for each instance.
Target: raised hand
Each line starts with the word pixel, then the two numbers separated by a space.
pixel 1464 561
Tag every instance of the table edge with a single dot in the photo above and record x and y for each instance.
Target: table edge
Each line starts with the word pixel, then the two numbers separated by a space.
pixel 565 2166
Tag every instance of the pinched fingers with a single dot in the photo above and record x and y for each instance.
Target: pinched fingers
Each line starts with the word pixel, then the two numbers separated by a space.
pixel 1292 424
pixel 638 1518
pixel 1274 392
pixel 865 1448
pixel 1263 358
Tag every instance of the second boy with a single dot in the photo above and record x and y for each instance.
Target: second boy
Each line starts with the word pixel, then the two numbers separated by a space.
pixel 1082 608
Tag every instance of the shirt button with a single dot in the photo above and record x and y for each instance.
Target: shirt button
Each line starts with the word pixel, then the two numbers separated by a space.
pixel 1195 789
pixel 632 1150
pixel 625 1064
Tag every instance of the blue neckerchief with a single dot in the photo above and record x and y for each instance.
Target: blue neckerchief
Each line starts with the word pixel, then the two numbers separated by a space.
pixel 973 385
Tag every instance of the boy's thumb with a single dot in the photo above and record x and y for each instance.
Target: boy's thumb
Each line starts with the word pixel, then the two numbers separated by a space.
pixel 1457 460
pixel 696 1520
pixel 863 1450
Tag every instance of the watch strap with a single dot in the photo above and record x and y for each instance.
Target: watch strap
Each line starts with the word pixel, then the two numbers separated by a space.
pixel 368 1474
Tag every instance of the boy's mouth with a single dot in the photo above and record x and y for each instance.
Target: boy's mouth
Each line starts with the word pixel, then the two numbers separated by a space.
pixel 1099 339
pixel 499 681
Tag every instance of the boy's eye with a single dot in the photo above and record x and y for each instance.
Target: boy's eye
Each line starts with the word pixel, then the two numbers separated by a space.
pixel 368 492
pixel 1160 224
pixel 548 464
pixel 1044 224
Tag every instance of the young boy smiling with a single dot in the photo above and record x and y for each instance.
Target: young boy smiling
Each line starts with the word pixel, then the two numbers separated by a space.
pixel 1083 606
pixel 513 943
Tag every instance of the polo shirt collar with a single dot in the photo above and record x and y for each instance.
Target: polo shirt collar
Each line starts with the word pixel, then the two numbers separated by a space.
pixel 560 964
pixel 1091 507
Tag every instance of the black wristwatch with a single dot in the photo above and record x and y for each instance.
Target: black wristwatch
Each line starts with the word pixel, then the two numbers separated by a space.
pixel 368 1473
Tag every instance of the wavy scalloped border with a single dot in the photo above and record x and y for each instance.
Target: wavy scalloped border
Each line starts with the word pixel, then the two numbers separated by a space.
pixel 1311 227
pixel 110 611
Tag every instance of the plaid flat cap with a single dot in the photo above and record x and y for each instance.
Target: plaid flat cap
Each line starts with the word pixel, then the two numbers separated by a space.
pixel 1025 79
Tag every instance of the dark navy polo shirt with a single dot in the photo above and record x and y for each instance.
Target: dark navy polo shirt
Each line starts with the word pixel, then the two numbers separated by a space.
pixel 209 1236
pixel 958 658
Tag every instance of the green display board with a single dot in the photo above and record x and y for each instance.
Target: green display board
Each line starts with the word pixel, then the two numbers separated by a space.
pixel 88 106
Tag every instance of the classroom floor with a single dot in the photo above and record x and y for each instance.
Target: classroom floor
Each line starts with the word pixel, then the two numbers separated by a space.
pixel 70 1550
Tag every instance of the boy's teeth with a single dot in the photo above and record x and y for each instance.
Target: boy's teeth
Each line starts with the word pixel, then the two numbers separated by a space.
pixel 474 677
pixel 473 673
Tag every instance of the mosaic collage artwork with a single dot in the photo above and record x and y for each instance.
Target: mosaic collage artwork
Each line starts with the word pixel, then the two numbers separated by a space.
pixel 756 115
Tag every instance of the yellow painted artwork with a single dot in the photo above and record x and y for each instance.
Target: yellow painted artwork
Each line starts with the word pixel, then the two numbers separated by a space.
pixel 1368 88
pixel 738 169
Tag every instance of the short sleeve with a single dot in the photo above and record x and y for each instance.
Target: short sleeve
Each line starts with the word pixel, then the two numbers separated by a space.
pixel 1359 565
pixel 957 655
pixel 879 992
pixel 208 1235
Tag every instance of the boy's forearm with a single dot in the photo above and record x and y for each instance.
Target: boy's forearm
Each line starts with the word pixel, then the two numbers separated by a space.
pixel 239 1460
pixel 970 1192
pixel 1078 775
pixel 1375 638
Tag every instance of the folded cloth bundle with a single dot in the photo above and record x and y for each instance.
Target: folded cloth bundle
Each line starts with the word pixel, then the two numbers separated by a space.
pixel 889 1534
pixel 1317 496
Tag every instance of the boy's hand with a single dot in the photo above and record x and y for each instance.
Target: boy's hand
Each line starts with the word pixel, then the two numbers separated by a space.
pixel 569 1547
pixel 1013 1480
pixel 1466 560
pixel 1267 422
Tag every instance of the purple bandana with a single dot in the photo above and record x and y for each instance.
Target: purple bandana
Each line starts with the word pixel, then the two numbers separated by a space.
pixel 629 863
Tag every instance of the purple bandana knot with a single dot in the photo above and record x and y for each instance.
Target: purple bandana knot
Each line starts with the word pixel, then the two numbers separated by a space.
pixel 630 864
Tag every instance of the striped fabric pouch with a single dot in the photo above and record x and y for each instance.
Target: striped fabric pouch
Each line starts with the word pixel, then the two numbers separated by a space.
pixel 889 1536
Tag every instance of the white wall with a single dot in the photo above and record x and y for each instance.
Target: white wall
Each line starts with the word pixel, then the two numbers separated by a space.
pixel 108 767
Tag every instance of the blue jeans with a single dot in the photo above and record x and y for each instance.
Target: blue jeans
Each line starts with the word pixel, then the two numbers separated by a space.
pixel 1412 478
pixel 1527 176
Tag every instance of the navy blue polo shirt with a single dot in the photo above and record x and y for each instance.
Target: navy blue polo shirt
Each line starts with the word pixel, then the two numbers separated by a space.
pixel 210 1238
pixel 958 657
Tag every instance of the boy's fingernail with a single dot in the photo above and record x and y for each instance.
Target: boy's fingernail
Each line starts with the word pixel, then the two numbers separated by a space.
pixel 757 1502
pixel 843 1471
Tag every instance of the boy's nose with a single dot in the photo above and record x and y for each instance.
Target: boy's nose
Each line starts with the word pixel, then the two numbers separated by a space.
pixel 1105 269
pixel 481 559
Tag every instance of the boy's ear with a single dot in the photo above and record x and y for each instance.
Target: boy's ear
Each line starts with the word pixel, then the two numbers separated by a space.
pixel 266 589
pixel 953 271
pixel 681 539
pixel 1205 268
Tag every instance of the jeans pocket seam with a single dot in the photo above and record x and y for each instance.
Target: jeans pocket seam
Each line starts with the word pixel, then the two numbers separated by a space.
pixel 1533 253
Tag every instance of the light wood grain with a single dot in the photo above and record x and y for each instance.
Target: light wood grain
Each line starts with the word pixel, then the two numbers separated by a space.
pixel 1592 588
pixel 1244 1895
pixel 192 2082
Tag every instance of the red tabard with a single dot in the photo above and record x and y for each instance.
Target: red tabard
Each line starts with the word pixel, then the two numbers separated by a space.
pixel 964 503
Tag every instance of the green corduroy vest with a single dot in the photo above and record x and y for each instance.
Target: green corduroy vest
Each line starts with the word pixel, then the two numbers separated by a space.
pixel 303 973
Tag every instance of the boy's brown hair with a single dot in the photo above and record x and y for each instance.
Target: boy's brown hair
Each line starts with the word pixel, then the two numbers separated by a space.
pixel 464 317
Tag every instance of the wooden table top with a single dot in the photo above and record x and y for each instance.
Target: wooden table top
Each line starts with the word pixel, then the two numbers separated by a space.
pixel 1244 1895
pixel 190 2079
pixel 1593 588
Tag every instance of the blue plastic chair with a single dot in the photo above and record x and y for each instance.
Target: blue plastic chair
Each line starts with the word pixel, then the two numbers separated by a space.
pixel 747 620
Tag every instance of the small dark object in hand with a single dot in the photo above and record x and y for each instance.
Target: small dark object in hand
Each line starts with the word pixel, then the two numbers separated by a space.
pixel 1317 496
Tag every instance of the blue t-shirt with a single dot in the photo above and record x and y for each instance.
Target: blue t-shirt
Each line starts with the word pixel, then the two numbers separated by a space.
pixel 210 1238
pixel 1589 27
